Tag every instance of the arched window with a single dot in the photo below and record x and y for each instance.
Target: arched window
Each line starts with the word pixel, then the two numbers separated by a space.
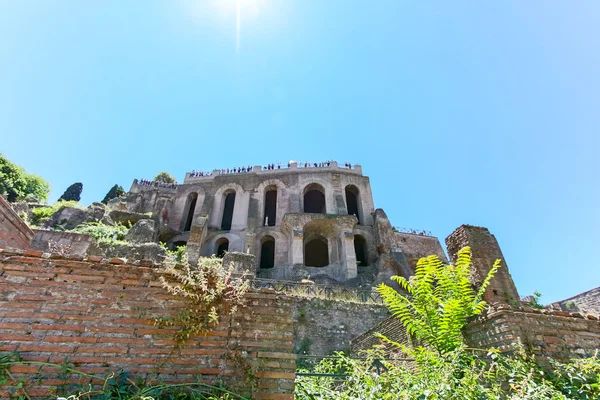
pixel 222 245
pixel 267 252
pixel 316 253
pixel 270 206
pixel 190 207
pixel 352 201
pixel 360 248
pixel 228 211
pixel 314 199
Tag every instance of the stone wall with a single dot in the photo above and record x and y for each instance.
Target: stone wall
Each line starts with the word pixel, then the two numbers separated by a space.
pixel 99 314
pixel 14 232
pixel 69 243
pixel 391 328
pixel 586 302
pixel 485 251
pixel 416 246
pixel 556 334
pixel 324 326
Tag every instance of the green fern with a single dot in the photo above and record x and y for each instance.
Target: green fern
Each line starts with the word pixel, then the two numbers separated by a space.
pixel 439 302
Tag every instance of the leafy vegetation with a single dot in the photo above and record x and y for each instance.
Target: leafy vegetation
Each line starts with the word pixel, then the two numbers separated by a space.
pixel 440 299
pixel 113 193
pixel 112 385
pixel 73 192
pixel 165 177
pixel 42 214
pixel 105 234
pixel 212 290
pixel 459 375
pixel 177 255
pixel 18 185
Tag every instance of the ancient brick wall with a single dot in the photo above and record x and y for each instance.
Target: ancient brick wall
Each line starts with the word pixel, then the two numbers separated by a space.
pixel 556 334
pixel 324 326
pixel 586 302
pixel 416 246
pixel 485 251
pixel 14 232
pixel 100 315
pixel 392 328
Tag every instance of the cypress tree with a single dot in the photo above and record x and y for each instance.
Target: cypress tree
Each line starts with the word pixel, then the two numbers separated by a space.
pixel 73 192
pixel 114 192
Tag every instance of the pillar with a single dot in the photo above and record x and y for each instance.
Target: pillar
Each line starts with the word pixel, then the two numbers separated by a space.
pixel 349 254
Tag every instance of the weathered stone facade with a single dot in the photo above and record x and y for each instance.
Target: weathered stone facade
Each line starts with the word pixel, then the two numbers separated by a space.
pixel 316 223
pixel 586 302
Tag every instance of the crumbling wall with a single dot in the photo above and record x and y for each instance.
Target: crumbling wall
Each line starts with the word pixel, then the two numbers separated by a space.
pixel 100 314
pixel 415 247
pixel 586 302
pixel 14 232
pixel 485 251
pixel 67 243
pixel 546 334
pixel 324 326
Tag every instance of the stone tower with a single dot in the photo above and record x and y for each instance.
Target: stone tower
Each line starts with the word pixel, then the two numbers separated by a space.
pixel 485 251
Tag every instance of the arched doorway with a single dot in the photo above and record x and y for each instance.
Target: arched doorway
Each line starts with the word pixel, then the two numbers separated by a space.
pixel 228 211
pixel 222 246
pixel 189 211
pixel 270 206
pixel 352 201
pixel 360 248
pixel 316 253
pixel 314 199
pixel 267 253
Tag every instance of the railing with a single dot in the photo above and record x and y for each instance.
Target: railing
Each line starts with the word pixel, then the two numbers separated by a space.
pixel 421 232
pixel 311 290
pixel 294 165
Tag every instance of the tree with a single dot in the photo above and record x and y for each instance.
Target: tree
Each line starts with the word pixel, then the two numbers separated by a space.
pixel 17 185
pixel 439 302
pixel 73 192
pixel 113 193
pixel 165 177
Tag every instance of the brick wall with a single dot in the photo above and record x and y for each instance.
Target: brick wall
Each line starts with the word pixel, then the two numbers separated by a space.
pixel 586 302
pixel 485 251
pixel 100 314
pixel 14 232
pixel 323 326
pixel 557 334
pixel 392 328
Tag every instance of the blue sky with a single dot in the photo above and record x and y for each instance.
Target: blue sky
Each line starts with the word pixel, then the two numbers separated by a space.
pixel 474 112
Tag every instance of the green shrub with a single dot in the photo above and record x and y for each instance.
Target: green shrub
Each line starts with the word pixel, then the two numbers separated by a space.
pixel 42 214
pixel 105 234
pixel 176 254
pixel 460 375
pixel 440 299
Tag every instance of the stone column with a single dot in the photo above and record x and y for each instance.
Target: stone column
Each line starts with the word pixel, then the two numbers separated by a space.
pixel 196 239
pixel 349 254
pixel 297 246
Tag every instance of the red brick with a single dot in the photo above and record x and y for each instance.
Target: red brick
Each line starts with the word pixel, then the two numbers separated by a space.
pixel 102 349
pixel 275 375
pixel 17 337
pixel 76 278
pixel 58 327
pixel 46 348
pixel 70 339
